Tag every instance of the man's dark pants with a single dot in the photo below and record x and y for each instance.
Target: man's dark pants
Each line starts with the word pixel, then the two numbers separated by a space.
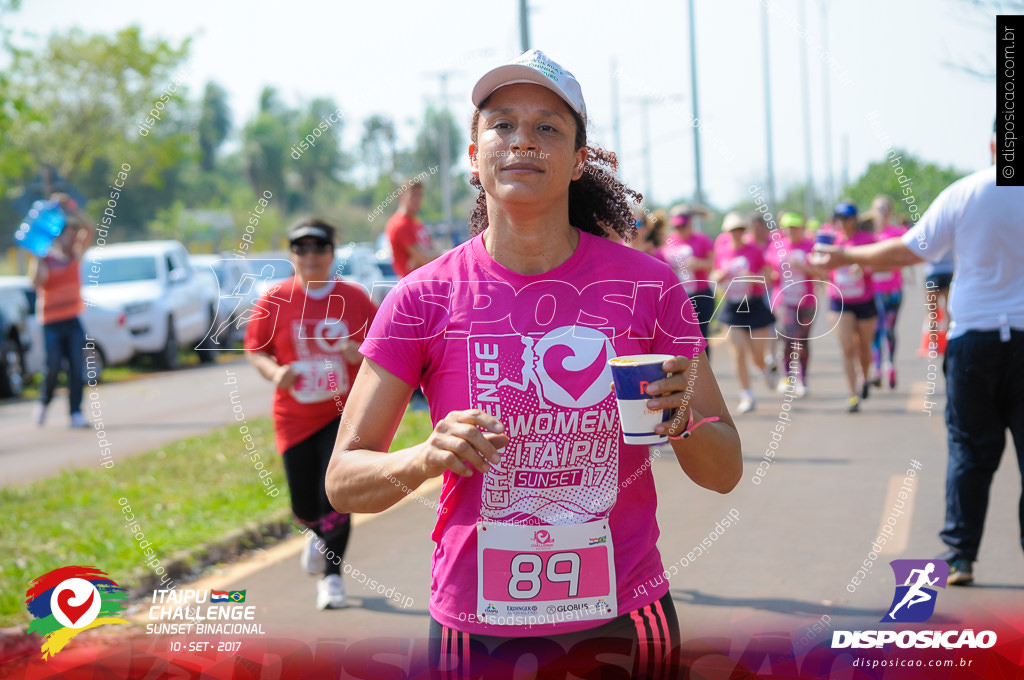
pixel 985 397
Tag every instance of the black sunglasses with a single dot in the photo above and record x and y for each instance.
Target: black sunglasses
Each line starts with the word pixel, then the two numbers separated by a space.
pixel 303 247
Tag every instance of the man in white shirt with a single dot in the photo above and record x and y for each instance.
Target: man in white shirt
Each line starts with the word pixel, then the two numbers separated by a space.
pixel 983 226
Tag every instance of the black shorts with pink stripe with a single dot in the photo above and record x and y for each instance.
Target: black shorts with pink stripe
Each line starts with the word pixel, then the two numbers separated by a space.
pixel 641 644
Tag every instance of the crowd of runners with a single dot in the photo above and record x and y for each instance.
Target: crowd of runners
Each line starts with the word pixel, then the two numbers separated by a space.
pixel 759 282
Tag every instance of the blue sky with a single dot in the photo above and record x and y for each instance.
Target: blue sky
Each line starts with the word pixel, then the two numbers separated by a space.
pixel 383 57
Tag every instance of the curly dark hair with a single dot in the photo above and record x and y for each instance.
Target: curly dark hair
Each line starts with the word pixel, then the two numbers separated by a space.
pixel 599 202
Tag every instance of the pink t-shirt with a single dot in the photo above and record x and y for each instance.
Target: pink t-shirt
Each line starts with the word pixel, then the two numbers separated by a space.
pixel 793 286
pixel 853 282
pixel 533 351
pixel 677 250
pixel 741 265
pixel 890 281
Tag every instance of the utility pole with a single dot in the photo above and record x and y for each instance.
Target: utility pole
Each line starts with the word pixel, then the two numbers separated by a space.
pixel 616 121
pixel 445 142
pixel 524 26
pixel 830 196
pixel 698 194
pixel 846 159
pixel 768 109
pixel 645 129
pixel 806 97
pixel 446 161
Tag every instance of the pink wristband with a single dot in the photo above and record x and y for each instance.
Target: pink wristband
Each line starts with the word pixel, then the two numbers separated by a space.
pixel 691 426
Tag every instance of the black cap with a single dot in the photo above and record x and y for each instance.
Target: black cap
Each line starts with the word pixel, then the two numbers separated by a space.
pixel 311 228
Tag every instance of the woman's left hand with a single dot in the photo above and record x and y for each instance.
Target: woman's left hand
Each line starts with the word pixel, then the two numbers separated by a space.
pixel 674 391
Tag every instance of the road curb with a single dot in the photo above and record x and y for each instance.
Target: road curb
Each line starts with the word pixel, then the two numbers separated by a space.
pixel 185 566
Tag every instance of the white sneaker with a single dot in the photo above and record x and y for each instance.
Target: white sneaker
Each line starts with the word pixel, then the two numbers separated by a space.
pixel 310 558
pixel 330 592
pixel 771 378
pixel 801 389
pixel 78 420
pixel 785 385
pixel 40 414
pixel 746 405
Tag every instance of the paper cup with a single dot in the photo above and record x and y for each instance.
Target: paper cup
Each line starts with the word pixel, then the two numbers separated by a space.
pixel 632 374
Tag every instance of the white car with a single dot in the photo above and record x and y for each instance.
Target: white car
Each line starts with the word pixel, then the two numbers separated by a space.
pixel 229 286
pixel 388 277
pixel 357 263
pixel 111 342
pixel 163 299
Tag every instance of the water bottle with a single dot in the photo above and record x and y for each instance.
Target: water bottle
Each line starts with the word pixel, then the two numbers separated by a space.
pixel 43 224
pixel 825 238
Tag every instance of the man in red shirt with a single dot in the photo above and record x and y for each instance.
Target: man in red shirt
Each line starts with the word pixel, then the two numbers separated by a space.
pixel 411 246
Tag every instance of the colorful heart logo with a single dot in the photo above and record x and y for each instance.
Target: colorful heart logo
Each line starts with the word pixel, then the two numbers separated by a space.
pixel 73 612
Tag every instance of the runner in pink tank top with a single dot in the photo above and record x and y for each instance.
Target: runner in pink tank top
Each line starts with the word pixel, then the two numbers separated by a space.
pixel 546 527
pixel 888 286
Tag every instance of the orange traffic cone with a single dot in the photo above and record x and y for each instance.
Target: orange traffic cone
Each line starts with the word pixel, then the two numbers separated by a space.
pixel 934 330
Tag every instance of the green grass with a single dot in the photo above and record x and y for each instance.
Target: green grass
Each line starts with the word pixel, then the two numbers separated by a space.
pixel 184 495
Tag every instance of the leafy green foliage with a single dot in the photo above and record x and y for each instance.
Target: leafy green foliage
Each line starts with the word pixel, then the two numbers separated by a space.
pixel 81 103
pixel 923 182
pixel 214 123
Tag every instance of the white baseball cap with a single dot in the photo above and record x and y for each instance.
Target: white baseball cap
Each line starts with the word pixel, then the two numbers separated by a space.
pixel 533 67
pixel 734 220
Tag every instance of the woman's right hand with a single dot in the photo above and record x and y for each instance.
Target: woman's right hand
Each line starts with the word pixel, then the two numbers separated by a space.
pixel 463 441
pixel 285 377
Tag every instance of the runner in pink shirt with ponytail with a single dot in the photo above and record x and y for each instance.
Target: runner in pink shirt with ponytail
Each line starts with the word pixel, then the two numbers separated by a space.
pixel 546 532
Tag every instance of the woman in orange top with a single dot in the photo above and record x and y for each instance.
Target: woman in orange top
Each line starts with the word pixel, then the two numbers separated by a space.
pixel 57 279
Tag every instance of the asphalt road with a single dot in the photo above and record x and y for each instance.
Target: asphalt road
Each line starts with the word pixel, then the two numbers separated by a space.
pixel 802 532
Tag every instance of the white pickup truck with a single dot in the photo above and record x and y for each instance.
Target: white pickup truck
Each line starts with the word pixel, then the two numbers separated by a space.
pixel 162 298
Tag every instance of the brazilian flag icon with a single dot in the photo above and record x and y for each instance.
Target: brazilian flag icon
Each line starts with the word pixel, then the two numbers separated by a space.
pixel 237 596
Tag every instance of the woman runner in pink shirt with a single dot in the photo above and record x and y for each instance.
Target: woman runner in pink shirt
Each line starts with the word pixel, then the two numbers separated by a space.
pixel 546 533
pixel 888 297
pixel 692 254
pixel 793 299
pixel 741 271
pixel 853 305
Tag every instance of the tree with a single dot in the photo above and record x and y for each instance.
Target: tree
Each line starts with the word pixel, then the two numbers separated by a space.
pixel 921 182
pixel 378 146
pixel 425 156
pixel 982 65
pixel 214 123
pixel 13 160
pixel 321 128
pixel 265 144
pixel 81 103
pixel 426 153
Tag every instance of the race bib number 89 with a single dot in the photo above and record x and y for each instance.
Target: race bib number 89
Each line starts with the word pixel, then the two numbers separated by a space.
pixel 545 574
